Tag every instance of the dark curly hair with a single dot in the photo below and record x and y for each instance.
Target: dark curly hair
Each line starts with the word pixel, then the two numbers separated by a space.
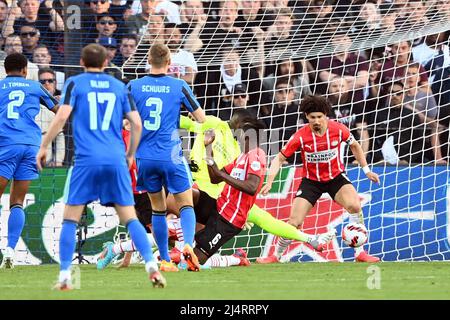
pixel 315 104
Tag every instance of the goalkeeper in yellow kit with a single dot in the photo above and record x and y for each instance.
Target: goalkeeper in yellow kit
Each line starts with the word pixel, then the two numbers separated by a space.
pixel 226 149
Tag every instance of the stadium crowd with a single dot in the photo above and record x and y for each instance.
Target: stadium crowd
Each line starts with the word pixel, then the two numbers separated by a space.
pixel 248 54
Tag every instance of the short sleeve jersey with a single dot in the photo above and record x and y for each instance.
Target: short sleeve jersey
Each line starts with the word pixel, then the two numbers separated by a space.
pixel 159 99
pixel 321 155
pixel 20 101
pixel 99 103
pixel 232 204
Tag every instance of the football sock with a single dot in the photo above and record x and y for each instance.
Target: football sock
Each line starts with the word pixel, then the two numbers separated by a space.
pixel 161 234
pixel 187 218
pixel 356 218
pixel 16 222
pixel 67 244
pixel 128 246
pixel 281 246
pixel 358 250
pixel 217 261
pixel 267 222
pixel 140 240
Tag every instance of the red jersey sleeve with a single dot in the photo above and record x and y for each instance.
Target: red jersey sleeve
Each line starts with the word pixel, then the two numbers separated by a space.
pixel 347 137
pixel 229 167
pixel 292 145
pixel 257 162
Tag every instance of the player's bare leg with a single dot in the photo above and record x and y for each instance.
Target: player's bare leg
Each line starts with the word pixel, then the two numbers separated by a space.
pixel 16 221
pixel 185 204
pixel 348 198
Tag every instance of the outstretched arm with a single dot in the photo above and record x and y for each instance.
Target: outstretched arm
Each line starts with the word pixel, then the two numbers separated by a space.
pixel 360 157
pixel 273 171
pixel 55 128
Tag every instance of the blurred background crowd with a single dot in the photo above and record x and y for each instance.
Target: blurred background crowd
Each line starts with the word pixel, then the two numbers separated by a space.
pixel 385 74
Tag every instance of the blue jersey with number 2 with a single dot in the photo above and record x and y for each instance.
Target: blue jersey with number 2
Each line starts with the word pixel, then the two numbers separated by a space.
pixel 159 99
pixel 20 101
pixel 99 104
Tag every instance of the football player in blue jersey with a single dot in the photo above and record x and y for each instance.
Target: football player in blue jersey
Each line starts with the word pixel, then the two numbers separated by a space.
pixel 20 137
pixel 98 103
pixel 160 161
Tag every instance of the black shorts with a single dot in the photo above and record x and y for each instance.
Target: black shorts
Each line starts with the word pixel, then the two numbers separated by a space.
pixel 312 190
pixel 217 229
pixel 143 208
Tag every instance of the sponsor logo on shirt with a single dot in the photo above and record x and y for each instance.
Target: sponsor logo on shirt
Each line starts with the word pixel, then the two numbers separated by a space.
pixel 334 143
pixel 321 156
pixel 256 165
pixel 238 173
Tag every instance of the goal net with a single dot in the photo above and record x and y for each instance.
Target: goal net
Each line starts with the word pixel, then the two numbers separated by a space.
pixel 383 65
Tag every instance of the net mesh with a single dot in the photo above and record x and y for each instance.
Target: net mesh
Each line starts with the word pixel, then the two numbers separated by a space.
pixel 383 65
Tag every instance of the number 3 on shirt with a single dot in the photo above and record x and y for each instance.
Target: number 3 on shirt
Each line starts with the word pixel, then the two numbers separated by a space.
pixel 101 97
pixel 154 114
pixel 16 98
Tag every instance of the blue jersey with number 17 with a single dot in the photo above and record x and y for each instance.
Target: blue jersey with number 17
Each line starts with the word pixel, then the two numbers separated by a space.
pixel 99 104
pixel 158 100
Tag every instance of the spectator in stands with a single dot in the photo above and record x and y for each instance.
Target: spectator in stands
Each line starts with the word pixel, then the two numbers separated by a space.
pixel 354 68
pixel 128 46
pixel 4 12
pixel 424 105
pixel 106 26
pixel 389 14
pixel 183 63
pixel 30 37
pixel 294 70
pixel 111 48
pixel 137 23
pixel 214 87
pixel 433 54
pixel 251 15
pixel 239 100
pixel 56 150
pixel 368 18
pixel 285 113
pixel 279 35
pixel 399 132
pixel 13 44
pixel 42 58
pixel 43 17
pixel 193 19
pixel 117 9
pixel 394 68
pixel 222 34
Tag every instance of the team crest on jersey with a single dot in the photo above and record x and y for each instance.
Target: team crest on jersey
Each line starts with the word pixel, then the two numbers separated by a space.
pixel 334 143
pixel 256 165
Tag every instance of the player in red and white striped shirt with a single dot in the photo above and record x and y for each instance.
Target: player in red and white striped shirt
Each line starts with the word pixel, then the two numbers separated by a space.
pixel 323 171
pixel 225 217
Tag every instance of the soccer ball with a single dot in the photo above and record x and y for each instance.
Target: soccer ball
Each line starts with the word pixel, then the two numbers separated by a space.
pixel 354 235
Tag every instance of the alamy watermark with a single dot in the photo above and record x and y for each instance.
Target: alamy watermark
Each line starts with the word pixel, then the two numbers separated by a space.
pixel 374 280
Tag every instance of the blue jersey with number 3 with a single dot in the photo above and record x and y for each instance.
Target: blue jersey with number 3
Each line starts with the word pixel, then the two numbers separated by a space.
pixel 99 104
pixel 159 99
pixel 20 101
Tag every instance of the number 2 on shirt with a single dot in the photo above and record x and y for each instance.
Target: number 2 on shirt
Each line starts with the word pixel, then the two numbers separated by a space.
pixel 154 114
pixel 16 98
pixel 101 97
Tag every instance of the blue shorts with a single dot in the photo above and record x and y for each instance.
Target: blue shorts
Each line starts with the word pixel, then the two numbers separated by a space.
pixel 19 162
pixel 154 174
pixel 107 183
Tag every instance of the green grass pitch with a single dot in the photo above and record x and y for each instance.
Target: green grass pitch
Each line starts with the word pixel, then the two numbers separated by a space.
pixel 299 281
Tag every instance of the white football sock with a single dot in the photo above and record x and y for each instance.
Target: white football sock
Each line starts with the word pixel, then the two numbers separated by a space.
pixel 217 261
pixel 281 246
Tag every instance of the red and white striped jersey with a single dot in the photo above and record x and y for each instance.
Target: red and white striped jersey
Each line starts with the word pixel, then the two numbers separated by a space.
pixel 233 204
pixel 321 155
